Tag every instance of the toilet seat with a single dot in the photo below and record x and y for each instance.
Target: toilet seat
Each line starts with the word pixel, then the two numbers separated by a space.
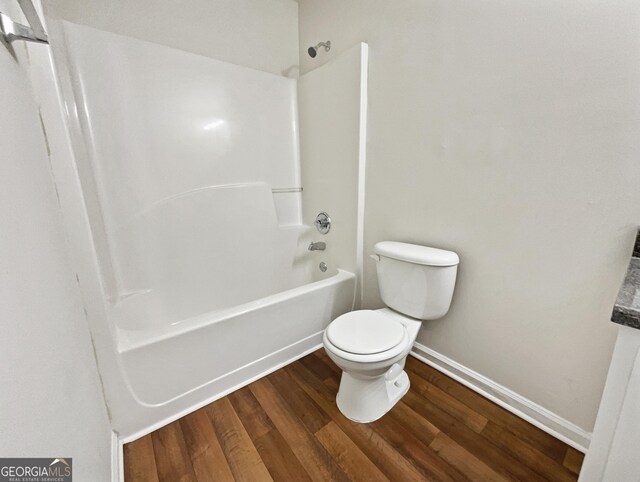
pixel 365 332
pixel 396 347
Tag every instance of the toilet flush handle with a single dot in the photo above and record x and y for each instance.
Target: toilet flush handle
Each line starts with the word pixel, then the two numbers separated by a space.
pixel 375 257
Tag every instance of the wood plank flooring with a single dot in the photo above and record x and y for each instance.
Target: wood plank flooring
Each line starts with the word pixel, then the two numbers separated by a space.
pixel 286 427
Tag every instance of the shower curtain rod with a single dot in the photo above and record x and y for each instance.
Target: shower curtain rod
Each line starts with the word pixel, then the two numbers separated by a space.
pixel 34 32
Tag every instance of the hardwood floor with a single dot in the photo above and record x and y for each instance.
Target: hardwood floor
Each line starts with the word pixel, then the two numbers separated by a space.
pixel 287 427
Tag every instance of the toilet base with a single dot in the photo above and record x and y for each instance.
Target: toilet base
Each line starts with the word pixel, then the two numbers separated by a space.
pixel 367 399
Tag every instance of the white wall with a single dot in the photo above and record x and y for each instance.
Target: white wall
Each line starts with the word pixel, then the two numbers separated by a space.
pixel 262 34
pixel 508 132
pixel 51 401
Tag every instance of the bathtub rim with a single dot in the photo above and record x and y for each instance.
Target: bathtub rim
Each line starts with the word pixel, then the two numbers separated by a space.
pixel 129 340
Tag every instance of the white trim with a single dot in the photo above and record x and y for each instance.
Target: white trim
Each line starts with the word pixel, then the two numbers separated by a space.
pixel 517 404
pixel 117 459
pixel 362 168
pixel 299 349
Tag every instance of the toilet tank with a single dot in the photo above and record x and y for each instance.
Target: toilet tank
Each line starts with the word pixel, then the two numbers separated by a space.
pixel 417 281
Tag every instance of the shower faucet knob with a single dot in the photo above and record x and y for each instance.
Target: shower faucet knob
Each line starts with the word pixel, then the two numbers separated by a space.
pixel 323 223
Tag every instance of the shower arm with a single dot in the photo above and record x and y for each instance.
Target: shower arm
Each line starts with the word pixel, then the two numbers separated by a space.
pixel 34 32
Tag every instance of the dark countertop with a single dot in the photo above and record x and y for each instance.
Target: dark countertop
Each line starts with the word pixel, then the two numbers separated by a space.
pixel 626 311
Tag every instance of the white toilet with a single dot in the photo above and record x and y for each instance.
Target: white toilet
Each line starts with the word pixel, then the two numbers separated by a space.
pixel 416 283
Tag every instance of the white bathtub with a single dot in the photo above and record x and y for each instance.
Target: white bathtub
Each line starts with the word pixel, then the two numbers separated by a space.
pixel 212 353
pixel 198 274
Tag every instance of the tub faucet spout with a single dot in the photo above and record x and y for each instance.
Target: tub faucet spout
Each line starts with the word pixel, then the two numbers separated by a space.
pixel 319 246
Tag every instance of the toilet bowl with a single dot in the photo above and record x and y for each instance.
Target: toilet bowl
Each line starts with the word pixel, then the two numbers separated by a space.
pixel 372 362
pixel 371 346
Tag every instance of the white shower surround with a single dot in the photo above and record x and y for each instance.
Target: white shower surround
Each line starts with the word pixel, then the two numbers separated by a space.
pixel 180 147
pixel 184 152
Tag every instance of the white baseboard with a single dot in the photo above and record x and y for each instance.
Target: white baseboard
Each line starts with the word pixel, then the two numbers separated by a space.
pixel 507 399
pixel 240 378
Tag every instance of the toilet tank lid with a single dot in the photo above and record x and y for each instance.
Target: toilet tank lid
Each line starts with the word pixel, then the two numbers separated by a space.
pixel 413 253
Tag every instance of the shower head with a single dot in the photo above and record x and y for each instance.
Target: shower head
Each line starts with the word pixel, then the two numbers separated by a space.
pixel 313 51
